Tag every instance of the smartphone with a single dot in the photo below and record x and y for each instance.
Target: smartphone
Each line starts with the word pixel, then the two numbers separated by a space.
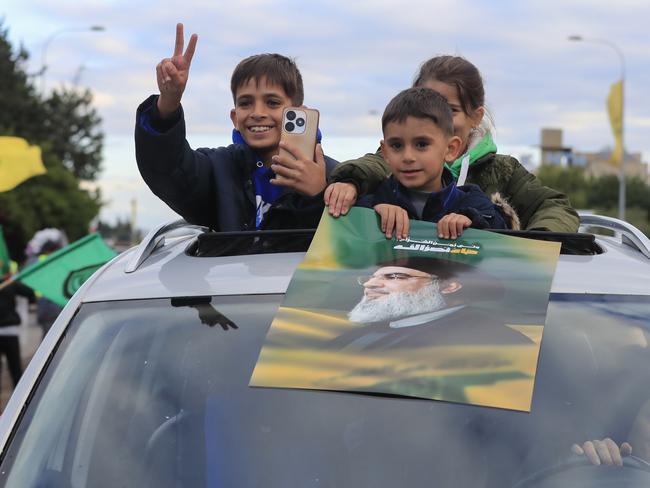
pixel 299 128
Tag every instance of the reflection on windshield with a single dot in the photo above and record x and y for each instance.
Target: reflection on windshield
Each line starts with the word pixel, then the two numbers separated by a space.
pixel 208 315
pixel 142 393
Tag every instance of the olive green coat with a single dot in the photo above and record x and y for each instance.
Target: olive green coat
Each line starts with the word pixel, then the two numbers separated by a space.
pixel 538 207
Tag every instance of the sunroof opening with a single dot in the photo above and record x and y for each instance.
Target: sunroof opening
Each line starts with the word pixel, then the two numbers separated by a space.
pixel 212 244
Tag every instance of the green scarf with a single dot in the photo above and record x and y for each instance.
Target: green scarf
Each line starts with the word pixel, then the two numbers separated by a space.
pixel 485 146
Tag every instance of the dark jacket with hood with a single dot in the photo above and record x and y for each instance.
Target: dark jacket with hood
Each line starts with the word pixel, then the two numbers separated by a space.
pixel 211 187
pixel 466 200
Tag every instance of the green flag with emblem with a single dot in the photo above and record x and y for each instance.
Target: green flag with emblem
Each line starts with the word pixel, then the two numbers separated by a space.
pixel 59 275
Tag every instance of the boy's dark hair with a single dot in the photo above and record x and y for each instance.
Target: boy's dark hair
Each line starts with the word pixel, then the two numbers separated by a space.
pixel 421 103
pixel 458 72
pixel 276 68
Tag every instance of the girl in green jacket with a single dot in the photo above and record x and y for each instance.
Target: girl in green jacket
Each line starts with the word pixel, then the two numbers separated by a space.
pixel 537 207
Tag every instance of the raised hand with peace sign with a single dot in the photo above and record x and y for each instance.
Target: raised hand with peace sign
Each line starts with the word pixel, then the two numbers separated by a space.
pixel 172 73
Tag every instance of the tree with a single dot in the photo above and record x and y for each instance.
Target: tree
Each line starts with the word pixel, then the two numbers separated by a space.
pixel 67 130
pixel 71 125
pixel 19 104
pixel 65 119
pixel 603 192
pixel 121 231
pixel 637 193
pixel 570 181
pixel 50 200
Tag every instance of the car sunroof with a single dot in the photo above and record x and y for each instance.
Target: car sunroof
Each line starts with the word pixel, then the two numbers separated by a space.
pixel 213 244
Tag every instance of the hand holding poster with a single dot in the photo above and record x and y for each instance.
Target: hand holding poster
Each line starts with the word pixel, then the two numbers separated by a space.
pixel 425 317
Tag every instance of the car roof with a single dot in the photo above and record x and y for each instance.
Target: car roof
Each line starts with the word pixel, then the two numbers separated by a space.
pixel 162 267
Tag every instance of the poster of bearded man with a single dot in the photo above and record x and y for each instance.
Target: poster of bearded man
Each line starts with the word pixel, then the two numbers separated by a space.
pixel 454 320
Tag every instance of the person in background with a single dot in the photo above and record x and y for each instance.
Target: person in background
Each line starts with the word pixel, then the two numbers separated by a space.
pixel 46 310
pixel 42 244
pixel 9 323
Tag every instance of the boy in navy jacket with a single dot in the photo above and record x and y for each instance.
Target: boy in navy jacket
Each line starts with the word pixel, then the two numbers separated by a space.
pixel 244 186
pixel 418 139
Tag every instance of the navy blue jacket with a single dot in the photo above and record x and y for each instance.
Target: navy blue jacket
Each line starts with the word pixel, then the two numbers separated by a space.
pixel 212 187
pixel 466 200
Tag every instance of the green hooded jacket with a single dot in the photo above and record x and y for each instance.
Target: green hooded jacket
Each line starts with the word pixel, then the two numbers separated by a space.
pixel 538 207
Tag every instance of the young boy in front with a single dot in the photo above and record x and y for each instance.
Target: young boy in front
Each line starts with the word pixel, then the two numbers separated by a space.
pixel 418 139
pixel 244 186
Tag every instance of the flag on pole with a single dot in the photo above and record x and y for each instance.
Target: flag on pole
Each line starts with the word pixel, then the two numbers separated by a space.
pixel 615 109
pixel 61 274
pixel 4 255
pixel 18 162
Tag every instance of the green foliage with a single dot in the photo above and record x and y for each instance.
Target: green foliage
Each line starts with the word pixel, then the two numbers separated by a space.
pixel 50 200
pixel 120 231
pixel 71 126
pixel 637 193
pixel 67 129
pixel 570 181
pixel 601 194
pixel 19 104
pixel 65 120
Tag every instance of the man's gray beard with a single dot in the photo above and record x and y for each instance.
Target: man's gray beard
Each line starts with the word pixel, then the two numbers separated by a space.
pixel 398 305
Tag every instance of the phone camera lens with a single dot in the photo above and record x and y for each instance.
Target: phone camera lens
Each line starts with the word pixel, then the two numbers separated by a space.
pixel 291 115
pixel 300 121
pixel 289 126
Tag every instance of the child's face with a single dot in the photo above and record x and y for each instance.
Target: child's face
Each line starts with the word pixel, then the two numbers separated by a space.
pixel 258 114
pixel 463 123
pixel 416 151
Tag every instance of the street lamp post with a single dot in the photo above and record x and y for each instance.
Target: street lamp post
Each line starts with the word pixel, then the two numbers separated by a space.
pixel 51 37
pixel 621 175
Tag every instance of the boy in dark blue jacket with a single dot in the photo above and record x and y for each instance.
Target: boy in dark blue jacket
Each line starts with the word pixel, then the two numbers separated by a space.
pixel 244 186
pixel 418 139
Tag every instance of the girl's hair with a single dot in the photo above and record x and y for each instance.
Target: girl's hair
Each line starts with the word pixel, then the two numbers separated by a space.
pixel 458 72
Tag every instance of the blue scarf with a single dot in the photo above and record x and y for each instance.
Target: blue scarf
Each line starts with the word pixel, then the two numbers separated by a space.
pixel 266 194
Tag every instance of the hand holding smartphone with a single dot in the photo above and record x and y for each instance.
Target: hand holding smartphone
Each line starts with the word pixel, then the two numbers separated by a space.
pixel 299 128
pixel 299 164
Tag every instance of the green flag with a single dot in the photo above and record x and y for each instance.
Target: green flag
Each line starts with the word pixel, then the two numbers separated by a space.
pixel 59 275
pixel 4 255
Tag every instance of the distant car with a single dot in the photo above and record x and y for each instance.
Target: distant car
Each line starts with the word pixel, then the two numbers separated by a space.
pixel 143 382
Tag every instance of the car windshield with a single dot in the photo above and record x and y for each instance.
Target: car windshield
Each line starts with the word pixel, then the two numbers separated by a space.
pixel 154 393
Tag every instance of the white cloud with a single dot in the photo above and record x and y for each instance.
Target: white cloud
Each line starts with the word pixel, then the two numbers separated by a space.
pixel 103 99
pixel 637 122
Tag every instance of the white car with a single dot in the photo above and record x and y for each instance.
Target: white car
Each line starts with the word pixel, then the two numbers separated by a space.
pixel 143 382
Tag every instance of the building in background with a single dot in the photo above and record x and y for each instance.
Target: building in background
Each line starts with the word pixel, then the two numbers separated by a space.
pixel 553 151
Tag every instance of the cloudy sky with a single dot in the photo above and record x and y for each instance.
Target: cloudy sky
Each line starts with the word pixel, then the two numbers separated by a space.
pixel 354 56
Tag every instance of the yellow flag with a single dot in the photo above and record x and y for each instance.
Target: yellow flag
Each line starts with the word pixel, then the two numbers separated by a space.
pixel 615 109
pixel 18 162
